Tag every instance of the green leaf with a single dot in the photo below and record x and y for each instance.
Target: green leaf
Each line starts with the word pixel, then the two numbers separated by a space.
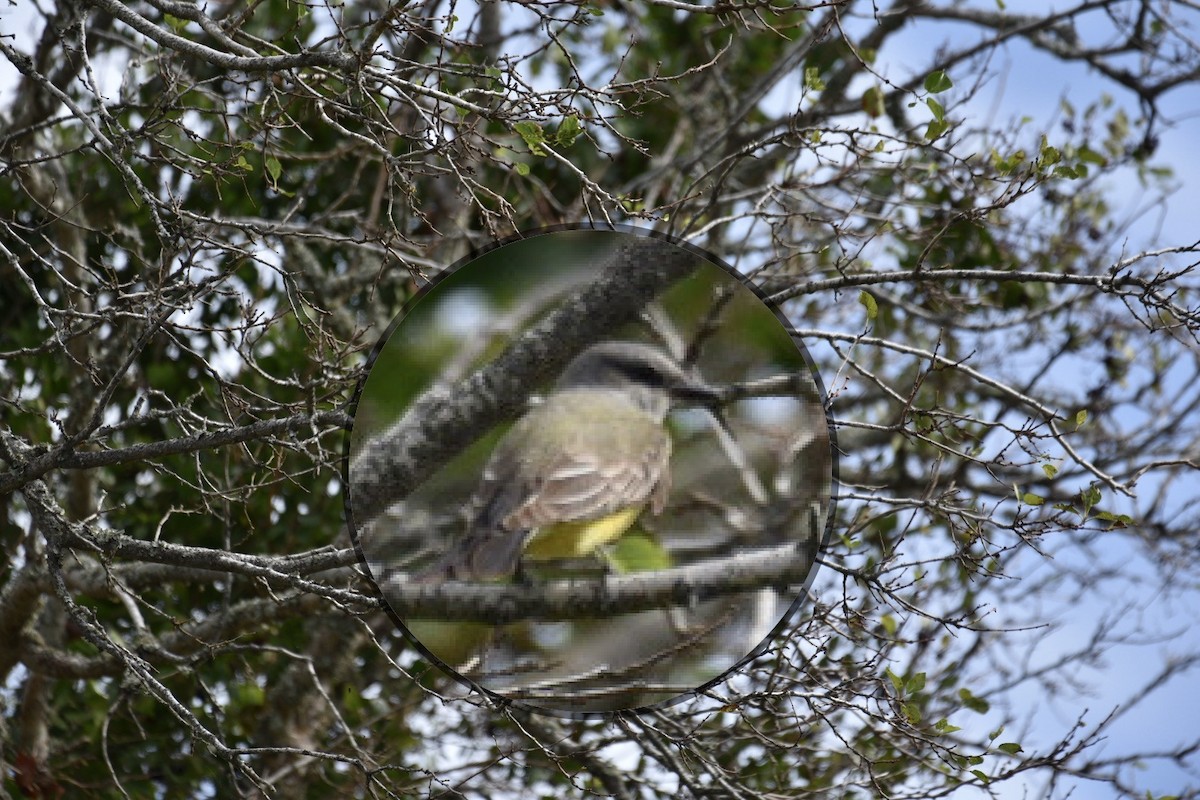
pixel 274 168
pixel 936 129
pixel 533 135
pixel 1080 418
pixel 944 726
pixel 939 113
pixel 522 168
pixel 1012 748
pixel 1050 155
pixel 1006 164
pixel 889 624
pixel 872 102
pixel 937 82
pixel 973 703
pixel 568 131
pixel 1050 470
pixel 1032 499
pixel 638 553
pixel 915 683
pixel 178 25
pixel 812 79
pixel 911 712
pixel 982 776
pixel 869 303
pixel 1118 520
pixel 897 681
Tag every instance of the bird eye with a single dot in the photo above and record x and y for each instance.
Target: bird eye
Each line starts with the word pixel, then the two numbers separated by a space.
pixel 644 373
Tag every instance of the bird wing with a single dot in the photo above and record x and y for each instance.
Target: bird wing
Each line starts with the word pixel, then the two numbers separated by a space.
pixel 555 466
pixel 582 486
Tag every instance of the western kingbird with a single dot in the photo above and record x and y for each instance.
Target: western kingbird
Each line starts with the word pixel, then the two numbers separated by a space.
pixel 576 470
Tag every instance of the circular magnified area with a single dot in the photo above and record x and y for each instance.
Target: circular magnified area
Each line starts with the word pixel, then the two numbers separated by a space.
pixel 590 471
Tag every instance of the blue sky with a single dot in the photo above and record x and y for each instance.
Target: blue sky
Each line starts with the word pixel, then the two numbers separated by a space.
pixel 1033 84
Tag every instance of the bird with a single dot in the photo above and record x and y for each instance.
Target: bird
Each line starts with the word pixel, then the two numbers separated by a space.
pixel 577 469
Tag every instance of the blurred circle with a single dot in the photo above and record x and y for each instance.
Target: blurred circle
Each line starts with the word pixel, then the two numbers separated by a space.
pixel 734 512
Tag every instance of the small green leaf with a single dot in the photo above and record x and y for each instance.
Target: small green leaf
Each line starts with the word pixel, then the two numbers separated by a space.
pixel 939 113
pixel 533 135
pixel 638 553
pixel 1080 418
pixel 568 131
pixel 1118 520
pixel 872 102
pixel 897 681
pixel 869 303
pixel 982 776
pixel 274 168
pixel 912 713
pixel 522 168
pixel 970 701
pixel 889 624
pixel 1031 499
pixel 936 129
pixel 1050 470
pixel 1006 164
pixel 1050 155
pixel 915 683
pixel 944 726
pixel 937 82
pixel 812 79
pixel 1012 748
